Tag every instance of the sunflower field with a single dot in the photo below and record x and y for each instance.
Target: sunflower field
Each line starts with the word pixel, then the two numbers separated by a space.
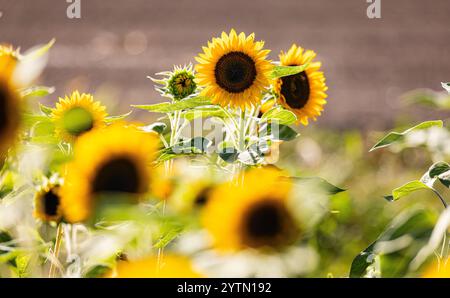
pixel 227 182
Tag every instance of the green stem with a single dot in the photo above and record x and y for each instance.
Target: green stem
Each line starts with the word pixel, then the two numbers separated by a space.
pixel 440 198
pixel 58 240
pixel 242 130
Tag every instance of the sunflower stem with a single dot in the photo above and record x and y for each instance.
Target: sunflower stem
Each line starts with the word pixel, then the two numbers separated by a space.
pixel 56 249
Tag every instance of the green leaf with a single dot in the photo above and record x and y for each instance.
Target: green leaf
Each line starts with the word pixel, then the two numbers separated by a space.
pixel 394 137
pixel 397 245
pixel 406 189
pixel 446 86
pixel 284 71
pixel 362 261
pixel 167 107
pixel 276 131
pixel 36 91
pixel 6 185
pixel 320 183
pixel 229 154
pixel 438 168
pixel 168 237
pixel 97 271
pixel 157 127
pixel 31 119
pixel 194 146
pixel 204 112
pixel 46 110
pixel 111 119
pixel 281 115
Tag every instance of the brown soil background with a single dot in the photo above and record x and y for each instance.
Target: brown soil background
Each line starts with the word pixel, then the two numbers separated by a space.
pixel 368 63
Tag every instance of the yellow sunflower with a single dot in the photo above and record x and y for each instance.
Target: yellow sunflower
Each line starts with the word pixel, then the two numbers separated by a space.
pixel 77 114
pixel 47 202
pixel 9 114
pixel 302 93
pixel 233 70
pixel 114 160
pixel 441 270
pixel 171 267
pixel 254 214
pixel 9 58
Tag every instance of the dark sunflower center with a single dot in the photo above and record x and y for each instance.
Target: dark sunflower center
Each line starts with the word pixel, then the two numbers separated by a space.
pixel 295 89
pixel 182 85
pixel 3 109
pixel 77 121
pixel 51 203
pixel 264 221
pixel 202 197
pixel 235 72
pixel 117 175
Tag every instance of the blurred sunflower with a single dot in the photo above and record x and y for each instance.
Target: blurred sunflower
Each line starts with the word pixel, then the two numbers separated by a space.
pixel 9 113
pixel 113 160
pixel 233 70
pixel 171 267
pixel 302 93
pixel 252 215
pixel 441 270
pixel 77 114
pixel 47 202
pixel 9 58
pixel 177 84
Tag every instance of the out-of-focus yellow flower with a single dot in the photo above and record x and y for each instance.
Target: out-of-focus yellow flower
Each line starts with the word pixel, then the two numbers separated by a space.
pixel 254 214
pixel 233 70
pixel 10 109
pixel 9 58
pixel 302 93
pixel 47 202
pixel 113 160
pixel 77 114
pixel 170 267
pixel 441 270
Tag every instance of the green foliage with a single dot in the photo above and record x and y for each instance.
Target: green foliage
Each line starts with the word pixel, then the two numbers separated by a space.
pixel 111 119
pixel 394 137
pixel 406 189
pixel 391 254
pixel 280 115
pixel 284 71
pixel 36 91
pixel 167 107
pixel 318 183
pixel 194 146
pixel 204 112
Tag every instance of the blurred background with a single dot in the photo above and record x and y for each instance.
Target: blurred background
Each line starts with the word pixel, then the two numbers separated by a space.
pixel 369 65
pixel 117 44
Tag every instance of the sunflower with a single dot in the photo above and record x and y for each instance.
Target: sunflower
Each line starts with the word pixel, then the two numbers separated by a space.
pixel 114 160
pixel 47 202
pixel 177 84
pixel 76 115
pixel 9 57
pixel 252 215
pixel 441 270
pixel 9 114
pixel 302 93
pixel 171 267
pixel 233 70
